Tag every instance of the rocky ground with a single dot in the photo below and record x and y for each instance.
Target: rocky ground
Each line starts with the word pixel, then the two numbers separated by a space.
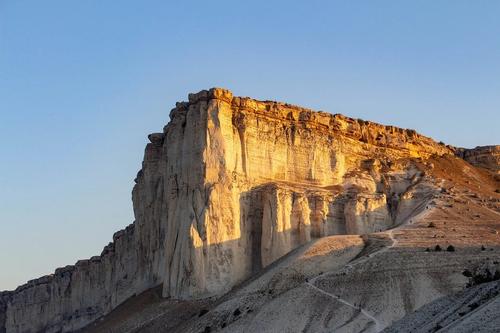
pixel 475 309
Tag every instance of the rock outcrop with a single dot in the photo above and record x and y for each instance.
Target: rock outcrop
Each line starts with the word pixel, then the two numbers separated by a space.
pixel 231 185
pixel 487 157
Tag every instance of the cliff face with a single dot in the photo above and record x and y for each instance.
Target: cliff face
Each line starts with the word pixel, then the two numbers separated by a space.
pixel 75 295
pixel 486 157
pixel 268 177
pixel 229 186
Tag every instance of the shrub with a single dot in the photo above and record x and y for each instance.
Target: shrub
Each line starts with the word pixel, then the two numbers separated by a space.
pixel 437 328
pixel 437 248
pixel 483 275
pixel 467 273
pixel 450 248
pixel 473 306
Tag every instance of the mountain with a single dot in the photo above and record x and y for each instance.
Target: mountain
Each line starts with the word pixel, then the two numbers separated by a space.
pixel 260 216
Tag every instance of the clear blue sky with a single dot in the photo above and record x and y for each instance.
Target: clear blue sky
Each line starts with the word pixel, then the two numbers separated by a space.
pixel 83 82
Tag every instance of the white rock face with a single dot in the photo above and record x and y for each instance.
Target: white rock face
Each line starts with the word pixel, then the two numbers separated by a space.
pixel 367 213
pixel 231 185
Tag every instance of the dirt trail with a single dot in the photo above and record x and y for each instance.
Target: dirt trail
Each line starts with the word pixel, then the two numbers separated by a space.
pixel 378 325
pixel 374 254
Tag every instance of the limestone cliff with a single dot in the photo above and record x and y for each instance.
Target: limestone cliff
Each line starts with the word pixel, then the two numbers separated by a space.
pixel 228 187
pixel 486 156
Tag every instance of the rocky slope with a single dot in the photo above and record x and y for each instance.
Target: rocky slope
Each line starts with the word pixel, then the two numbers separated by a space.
pixel 475 309
pixel 248 211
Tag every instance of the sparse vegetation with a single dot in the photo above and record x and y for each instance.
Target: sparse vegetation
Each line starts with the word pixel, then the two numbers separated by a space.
pixel 467 273
pixel 487 276
pixel 482 275
pixel 473 306
pixel 437 327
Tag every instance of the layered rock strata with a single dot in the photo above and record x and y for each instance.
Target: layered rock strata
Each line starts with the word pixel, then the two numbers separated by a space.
pixel 228 187
pixel 483 156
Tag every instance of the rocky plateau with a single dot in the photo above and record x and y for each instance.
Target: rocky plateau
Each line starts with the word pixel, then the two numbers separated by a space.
pixel 260 216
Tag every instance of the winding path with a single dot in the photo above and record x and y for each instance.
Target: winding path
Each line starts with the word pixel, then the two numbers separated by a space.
pixel 378 325
pixel 371 255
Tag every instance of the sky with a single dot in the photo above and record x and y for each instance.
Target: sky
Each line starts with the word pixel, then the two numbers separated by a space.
pixel 82 83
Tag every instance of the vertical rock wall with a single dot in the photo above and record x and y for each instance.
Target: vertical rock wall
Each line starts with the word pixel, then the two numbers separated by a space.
pixel 228 187
pixel 75 295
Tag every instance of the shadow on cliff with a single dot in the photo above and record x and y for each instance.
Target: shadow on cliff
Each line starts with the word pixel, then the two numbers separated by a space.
pixel 274 221
pixel 275 218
